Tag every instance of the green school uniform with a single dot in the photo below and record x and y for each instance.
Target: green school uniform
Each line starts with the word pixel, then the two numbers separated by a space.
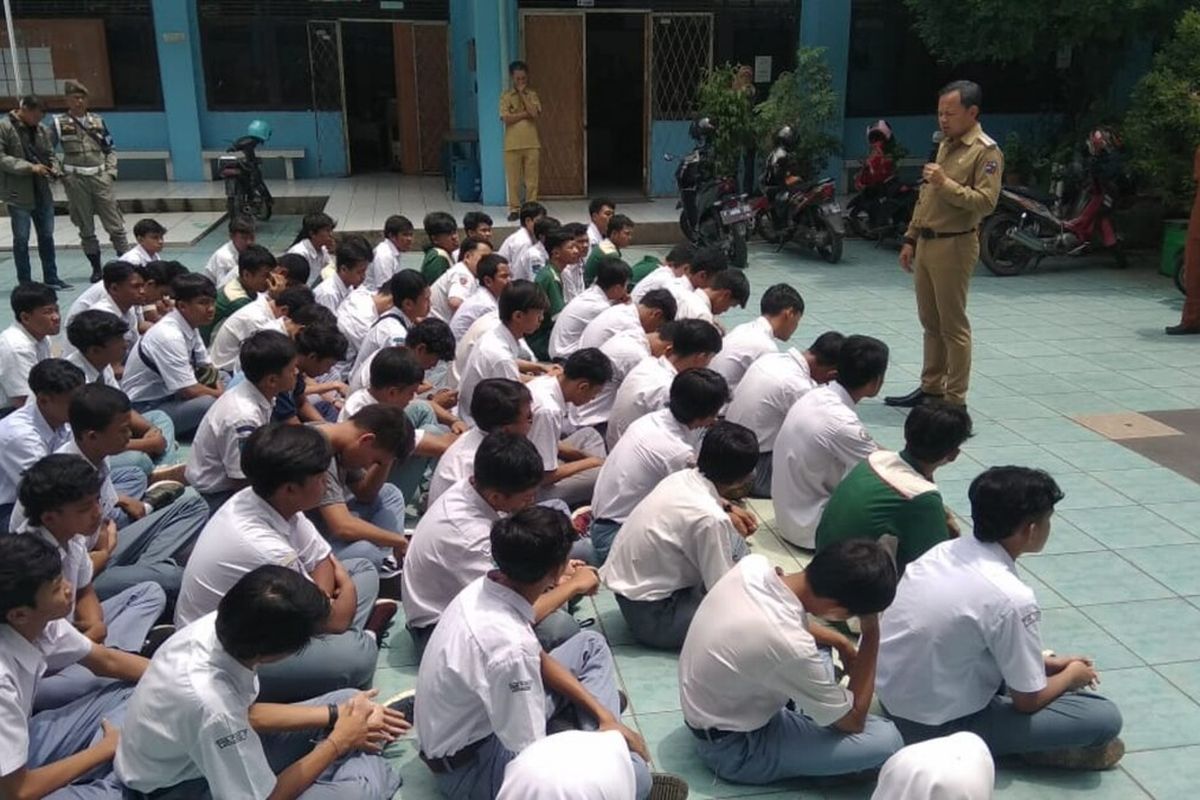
pixel 436 262
pixel 605 248
pixel 230 298
pixel 549 279
pixel 644 267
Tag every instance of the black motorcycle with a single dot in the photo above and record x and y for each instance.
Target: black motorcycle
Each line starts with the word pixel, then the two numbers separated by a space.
pixel 713 212
pixel 246 193
pixel 793 210
pixel 882 212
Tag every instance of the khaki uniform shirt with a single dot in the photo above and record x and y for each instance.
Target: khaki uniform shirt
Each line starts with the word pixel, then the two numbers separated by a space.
pixel 78 147
pixel 521 135
pixel 973 165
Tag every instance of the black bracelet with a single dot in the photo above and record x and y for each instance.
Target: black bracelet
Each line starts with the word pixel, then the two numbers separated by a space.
pixel 333 717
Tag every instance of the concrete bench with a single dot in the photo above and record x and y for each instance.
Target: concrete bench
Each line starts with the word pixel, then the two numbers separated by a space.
pixel 288 156
pixel 149 155
pixel 851 166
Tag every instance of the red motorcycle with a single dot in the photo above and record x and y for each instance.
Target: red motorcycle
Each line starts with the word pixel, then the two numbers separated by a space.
pixel 1028 226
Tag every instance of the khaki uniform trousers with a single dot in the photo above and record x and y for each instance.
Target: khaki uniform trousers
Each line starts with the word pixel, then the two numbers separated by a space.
pixel 521 167
pixel 941 275
pixel 87 197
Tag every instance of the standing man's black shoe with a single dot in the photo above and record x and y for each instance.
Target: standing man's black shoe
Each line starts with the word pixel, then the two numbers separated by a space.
pixel 512 216
pixel 94 260
pixel 910 400
pixel 1181 330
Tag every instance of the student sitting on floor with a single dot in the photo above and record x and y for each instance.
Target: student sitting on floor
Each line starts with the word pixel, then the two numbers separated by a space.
pixel 265 524
pixel 822 438
pixel 757 686
pixel 63 753
pixel 893 494
pixel 771 387
pixel 360 513
pixel 728 288
pixel 620 235
pixel 486 689
pixel 610 288
pixel 494 275
pixel 498 405
pixel 314 243
pixel 600 211
pixel 156 300
pixel 561 249
pixel 222 265
pixel 451 547
pixel 192 728
pixel 270 311
pixel 441 230
pixel 781 308
pixel 61 495
pixel 671 274
pixel 680 539
pixel 353 256
pixel 646 315
pixel 318 347
pixel 37 428
pixel 532 259
pixel 476 225
pixel 99 341
pixel 214 465
pixel 149 234
pixel 646 388
pixel 410 299
pixel 457 283
pixel 169 369
pixel 432 344
pixel 385 259
pixel 656 445
pixel 523 237
pixel 254 275
pixel 122 291
pixel 26 341
pixel 961 649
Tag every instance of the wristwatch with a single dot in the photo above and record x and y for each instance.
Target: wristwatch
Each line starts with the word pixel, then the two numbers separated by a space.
pixel 333 717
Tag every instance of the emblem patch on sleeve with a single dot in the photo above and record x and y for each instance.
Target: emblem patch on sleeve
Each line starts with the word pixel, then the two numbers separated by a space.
pixel 232 739
pixel 1031 616
pixel 520 686
pixel 991 167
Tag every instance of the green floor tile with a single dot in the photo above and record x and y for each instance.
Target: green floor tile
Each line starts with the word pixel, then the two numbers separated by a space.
pixel 1068 631
pixel 1098 455
pixel 1155 713
pixel 1051 430
pixel 1156 485
pixel 1169 774
pixel 1092 578
pixel 1044 784
pixel 1176 566
pixel 1128 526
pixel 1084 491
pixel 1185 676
pixel 1159 631
pixel 1185 515
pixel 651 678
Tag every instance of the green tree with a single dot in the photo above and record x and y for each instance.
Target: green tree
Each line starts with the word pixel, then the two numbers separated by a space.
pixel 804 99
pixel 731 111
pixel 1162 127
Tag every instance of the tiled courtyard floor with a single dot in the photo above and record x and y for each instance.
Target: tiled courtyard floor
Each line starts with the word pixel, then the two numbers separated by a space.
pixel 1120 578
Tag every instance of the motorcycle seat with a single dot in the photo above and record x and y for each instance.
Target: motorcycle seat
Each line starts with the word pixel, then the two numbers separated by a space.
pixel 1032 194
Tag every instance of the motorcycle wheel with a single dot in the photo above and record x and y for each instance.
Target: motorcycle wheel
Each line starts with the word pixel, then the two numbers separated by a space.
pixel 828 241
pixel 263 208
pixel 737 248
pixel 997 251
pixel 856 227
pixel 764 226
pixel 686 227
pixel 1181 274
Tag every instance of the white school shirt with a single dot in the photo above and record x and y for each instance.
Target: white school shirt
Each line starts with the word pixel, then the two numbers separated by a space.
pixel 529 262
pixel 955 767
pixel 76 562
pixel 385 262
pixel 137 255
pixel 331 291
pixel 176 349
pixel 222 264
pixel 678 536
pixel 572 765
pixel 317 259
pixel 481 674
pixel 695 304
pixel 610 322
pixel 662 278
pixel 515 244
pixel 741 347
pixel 595 237
pixel 821 439
pixel 494 356
pixel 479 303
pixel 22 665
pixel 108 492
pixel 456 283
pixel 25 437
pixel 574 318
pixel 97 298
pixel 104 377
pixel 749 651
pixel 625 351
pixel 450 547
pixel 19 353
pixel 549 409
pixel 214 463
pixel 966 596
pixel 456 464
pixel 248 320
pixel 653 447
pixel 188 718
pixel 572 281
pixel 244 534
pixel 646 388
pixel 390 329
pixel 768 390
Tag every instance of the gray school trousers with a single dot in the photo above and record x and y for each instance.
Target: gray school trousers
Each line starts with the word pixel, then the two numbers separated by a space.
pixel 577 490
pixel 555 629
pixel 153 548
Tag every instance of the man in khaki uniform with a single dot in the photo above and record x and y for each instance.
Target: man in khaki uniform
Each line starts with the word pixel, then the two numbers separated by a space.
pixel 89 167
pixel 519 108
pixel 941 245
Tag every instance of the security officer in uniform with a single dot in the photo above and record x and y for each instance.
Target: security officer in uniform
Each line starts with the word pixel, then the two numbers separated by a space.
pixel 941 246
pixel 89 167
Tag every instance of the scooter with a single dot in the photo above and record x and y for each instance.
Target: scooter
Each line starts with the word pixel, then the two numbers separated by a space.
pixel 882 212
pixel 792 210
pixel 713 212
pixel 246 193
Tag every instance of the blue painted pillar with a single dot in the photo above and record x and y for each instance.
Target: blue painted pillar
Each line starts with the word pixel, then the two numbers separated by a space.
pixel 462 77
pixel 826 23
pixel 177 34
pixel 494 48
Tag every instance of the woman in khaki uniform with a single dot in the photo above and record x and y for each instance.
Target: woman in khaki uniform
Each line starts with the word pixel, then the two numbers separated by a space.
pixel 519 109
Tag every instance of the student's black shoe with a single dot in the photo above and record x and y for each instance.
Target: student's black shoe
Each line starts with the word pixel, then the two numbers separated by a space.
pixel 665 786
pixel 155 638
pixel 1181 330
pixel 910 400
pixel 1087 759
pixel 161 494
pixel 403 703
pixel 59 285
pixel 381 617
pixel 622 700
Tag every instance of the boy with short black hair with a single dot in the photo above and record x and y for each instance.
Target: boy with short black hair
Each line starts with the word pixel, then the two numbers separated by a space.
pixel 411 302
pixel 573 285
pixel 41 754
pixel 600 211
pixel 728 288
pixel 610 288
pixel 318 347
pixel 456 284
pixel 353 257
pixel 442 231
pixel 214 465
pixel 294 268
pixel 149 234
pixel 494 274
pixel 26 341
pixel 270 311
pixel 618 236
pixel 498 405
pixel 560 248
pixel 781 308
pixel 523 237
pixel 121 291
pixel 532 259
pixel 223 264
pixel 649 274
pixel 385 261
pixel 255 265
pixel 476 225
pixel 314 241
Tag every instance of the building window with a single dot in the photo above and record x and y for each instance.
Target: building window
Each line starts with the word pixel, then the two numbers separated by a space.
pixel 256 63
pixel 682 52
pixel 133 63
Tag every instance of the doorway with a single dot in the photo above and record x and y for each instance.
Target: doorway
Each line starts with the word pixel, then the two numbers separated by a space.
pixel 370 95
pixel 616 104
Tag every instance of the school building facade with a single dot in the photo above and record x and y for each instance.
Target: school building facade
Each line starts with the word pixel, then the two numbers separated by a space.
pixel 359 86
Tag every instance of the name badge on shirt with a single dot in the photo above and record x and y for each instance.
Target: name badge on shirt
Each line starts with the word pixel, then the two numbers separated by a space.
pixel 520 686
pixel 1031 616
pixel 233 738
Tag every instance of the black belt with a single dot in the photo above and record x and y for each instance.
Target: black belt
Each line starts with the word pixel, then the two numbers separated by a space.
pixel 709 734
pixel 440 766
pixel 930 233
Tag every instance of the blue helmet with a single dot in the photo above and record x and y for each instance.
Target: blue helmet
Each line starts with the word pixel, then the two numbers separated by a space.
pixel 259 129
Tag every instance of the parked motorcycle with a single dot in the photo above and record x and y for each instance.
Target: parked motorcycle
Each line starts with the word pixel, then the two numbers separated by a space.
pixel 246 192
pixel 713 212
pixel 792 210
pixel 1028 226
pixel 884 204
